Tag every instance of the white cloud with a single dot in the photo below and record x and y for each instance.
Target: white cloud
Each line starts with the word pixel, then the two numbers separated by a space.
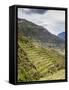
pixel 53 20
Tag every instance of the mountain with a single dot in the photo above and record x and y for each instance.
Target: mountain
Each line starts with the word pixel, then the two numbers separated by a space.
pixel 39 34
pixel 36 59
pixel 38 63
pixel 62 35
pixel 26 70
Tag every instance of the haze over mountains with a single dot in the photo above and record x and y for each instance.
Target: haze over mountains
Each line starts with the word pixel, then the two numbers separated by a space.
pixel 53 20
pixel 40 34
pixel 62 35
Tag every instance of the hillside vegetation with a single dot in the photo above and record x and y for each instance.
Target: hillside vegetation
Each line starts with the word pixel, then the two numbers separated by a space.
pixel 37 62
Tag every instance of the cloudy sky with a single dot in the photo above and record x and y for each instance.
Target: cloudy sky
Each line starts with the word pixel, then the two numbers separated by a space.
pixel 53 20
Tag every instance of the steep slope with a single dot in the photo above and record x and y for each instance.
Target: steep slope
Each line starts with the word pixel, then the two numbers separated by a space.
pixel 26 70
pixel 39 34
pixel 35 63
pixel 56 76
pixel 62 35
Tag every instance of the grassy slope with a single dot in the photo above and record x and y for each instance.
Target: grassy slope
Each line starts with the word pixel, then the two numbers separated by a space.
pixel 37 63
pixel 26 70
pixel 56 76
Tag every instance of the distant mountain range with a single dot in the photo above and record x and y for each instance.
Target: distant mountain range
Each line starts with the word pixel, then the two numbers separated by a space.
pixel 40 34
pixel 62 35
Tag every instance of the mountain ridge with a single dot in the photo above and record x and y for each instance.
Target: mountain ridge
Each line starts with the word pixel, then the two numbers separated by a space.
pixel 62 35
pixel 39 34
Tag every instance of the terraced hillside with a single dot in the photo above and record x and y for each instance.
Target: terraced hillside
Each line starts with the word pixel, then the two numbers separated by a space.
pixel 38 63
pixel 40 53
pixel 26 70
